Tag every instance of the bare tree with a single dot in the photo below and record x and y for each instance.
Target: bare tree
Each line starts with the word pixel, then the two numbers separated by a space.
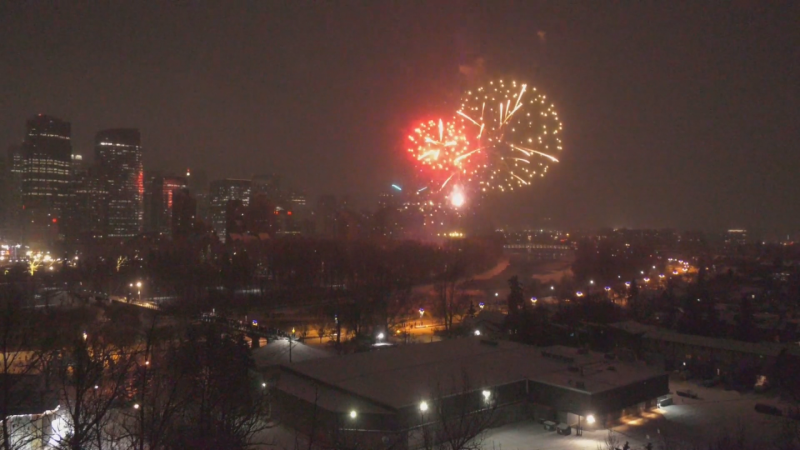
pixel 611 442
pixel 305 328
pixel 322 328
pixel 157 385
pixel 17 367
pixel 226 405
pixel 92 380
pixel 460 416
pixel 448 303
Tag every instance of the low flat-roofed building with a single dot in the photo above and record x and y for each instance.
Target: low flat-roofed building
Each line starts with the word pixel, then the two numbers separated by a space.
pixel 705 356
pixel 381 393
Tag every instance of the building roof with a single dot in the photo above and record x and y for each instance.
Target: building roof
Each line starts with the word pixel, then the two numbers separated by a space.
pixel 754 348
pixel 403 376
pixel 28 395
pixel 277 352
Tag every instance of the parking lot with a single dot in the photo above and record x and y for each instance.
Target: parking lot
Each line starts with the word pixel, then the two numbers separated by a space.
pixel 714 412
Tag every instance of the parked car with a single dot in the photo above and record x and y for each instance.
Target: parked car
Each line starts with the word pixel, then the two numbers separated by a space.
pixel 768 409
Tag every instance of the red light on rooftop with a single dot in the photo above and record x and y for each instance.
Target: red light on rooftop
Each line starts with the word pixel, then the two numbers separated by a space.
pixel 55 220
pixel 288 213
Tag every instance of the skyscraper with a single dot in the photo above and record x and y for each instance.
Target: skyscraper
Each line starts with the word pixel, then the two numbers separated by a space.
pixel 159 202
pixel 91 202
pixel 269 185
pixel 183 214
pixel 118 155
pixel 221 192
pixel 12 191
pixel 47 165
pixel 198 181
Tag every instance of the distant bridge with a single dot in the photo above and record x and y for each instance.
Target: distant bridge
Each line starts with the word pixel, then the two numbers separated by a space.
pixel 533 246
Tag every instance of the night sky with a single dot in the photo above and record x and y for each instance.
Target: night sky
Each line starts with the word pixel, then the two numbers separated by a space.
pixel 683 115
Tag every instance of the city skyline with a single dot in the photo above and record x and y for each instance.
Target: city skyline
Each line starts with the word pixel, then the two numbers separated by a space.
pixel 675 116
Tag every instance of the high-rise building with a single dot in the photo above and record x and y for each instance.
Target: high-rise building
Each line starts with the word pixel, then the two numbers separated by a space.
pixel 221 192
pixel 91 201
pixel 197 180
pixel 47 166
pixel 159 199
pixel 152 200
pixel 184 210
pixel 269 185
pixel 12 192
pixel 297 200
pixel 118 155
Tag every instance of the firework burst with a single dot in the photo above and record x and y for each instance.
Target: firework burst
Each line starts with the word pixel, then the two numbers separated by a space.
pixel 514 131
pixel 442 152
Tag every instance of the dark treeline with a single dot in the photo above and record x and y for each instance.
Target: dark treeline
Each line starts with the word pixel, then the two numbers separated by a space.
pixel 126 378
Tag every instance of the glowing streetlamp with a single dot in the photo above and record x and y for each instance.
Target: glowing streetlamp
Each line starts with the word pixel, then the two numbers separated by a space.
pixel 423 406
pixel 353 414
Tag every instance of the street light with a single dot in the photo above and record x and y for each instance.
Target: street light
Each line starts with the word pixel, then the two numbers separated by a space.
pixel 381 336
pixel 481 305
pixel 486 395
pixel 353 414
pixel 590 419
pixel 135 406
pixel 423 406
pixel 477 332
